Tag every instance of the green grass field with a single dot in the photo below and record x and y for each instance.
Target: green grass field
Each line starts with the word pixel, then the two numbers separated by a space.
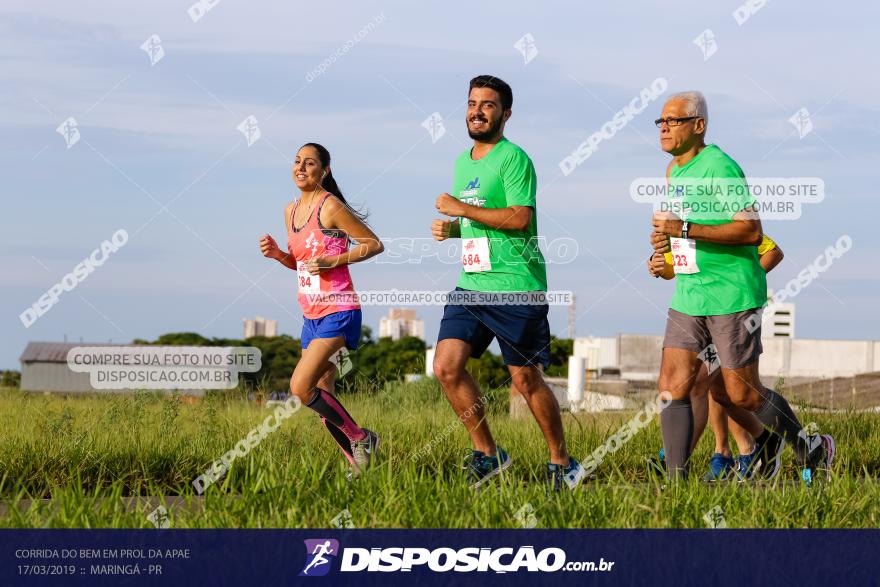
pixel 77 461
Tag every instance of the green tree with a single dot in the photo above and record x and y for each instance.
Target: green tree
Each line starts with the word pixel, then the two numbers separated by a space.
pixel 10 379
pixel 378 361
pixel 489 371
pixel 560 350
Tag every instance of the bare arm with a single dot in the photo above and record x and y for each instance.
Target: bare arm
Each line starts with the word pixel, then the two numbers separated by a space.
pixel 509 218
pixel 771 259
pixel 270 248
pixel 658 267
pixel 335 214
pixel 286 259
pixel 740 231
pixel 444 229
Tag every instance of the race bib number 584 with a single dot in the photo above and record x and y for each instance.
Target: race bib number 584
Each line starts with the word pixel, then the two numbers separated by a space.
pixel 308 283
pixel 475 254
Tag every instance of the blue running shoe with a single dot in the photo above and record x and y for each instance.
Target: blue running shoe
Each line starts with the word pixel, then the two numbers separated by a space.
pixel 720 468
pixel 745 466
pixel 764 461
pixel 481 467
pixel 558 476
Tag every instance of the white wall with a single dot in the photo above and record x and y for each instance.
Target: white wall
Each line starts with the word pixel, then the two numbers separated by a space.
pixel 831 358
pixel 638 356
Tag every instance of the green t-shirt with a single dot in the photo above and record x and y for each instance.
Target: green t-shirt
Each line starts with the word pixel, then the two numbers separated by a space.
pixel 713 189
pixel 504 177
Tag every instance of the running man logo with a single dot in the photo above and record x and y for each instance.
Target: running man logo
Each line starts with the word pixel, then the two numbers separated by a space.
pixel 709 356
pixel 159 517
pixel 342 360
pixel 153 48
pixel 69 129
pixel 526 516
pixel 250 128
pixel 434 125
pixel 802 122
pixel 810 435
pixel 312 244
pixel 714 518
pixel 706 42
pixel 474 185
pixel 342 520
pixel 317 553
pixel 526 47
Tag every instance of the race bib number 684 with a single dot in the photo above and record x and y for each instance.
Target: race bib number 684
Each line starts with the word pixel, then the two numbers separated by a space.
pixel 475 254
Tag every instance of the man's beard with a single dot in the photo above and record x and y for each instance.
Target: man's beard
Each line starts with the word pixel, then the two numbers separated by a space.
pixel 489 133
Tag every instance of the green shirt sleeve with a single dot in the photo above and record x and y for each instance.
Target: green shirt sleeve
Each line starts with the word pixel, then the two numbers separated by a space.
pixel 519 179
pixel 734 194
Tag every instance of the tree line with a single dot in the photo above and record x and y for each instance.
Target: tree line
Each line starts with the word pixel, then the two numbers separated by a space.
pixel 376 361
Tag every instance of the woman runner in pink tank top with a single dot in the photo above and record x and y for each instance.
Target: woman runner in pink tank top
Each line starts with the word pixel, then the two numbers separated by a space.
pixel 320 225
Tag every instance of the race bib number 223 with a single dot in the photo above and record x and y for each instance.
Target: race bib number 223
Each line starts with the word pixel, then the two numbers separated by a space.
pixel 684 255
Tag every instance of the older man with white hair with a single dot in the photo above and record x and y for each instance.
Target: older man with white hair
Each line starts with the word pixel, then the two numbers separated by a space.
pixel 720 289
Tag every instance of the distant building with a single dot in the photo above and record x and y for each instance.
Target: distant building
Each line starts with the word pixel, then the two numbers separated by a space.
pixel 259 326
pixel 44 367
pixel 401 322
pixel 778 319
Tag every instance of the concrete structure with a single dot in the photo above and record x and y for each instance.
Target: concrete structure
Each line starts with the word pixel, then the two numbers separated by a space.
pixel 636 357
pixel 591 401
pixel 401 322
pixel 260 326
pixel 429 361
pixel 778 319
pixel 813 358
pixel 577 370
pixel 629 356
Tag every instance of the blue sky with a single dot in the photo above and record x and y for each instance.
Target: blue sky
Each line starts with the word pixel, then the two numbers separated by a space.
pixel 165 135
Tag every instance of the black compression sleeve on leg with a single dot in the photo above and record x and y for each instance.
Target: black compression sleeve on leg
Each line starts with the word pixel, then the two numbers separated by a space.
pixel 677 428
pixel 776 414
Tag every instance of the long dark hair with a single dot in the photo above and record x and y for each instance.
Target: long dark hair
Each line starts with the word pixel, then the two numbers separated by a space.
pixel 329 182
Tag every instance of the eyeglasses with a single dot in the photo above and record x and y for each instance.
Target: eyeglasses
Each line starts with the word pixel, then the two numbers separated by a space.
pixel 674 121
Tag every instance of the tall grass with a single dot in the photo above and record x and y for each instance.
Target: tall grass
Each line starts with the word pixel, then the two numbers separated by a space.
pixel 104 461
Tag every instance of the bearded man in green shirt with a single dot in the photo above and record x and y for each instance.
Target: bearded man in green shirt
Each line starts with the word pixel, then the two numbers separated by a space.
pixel 501 286
pixel 719 292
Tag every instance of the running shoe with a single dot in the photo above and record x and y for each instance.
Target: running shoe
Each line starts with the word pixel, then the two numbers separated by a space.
pixel 745 466
pixel 558 476
pixel 481 467
pixel 763 462
pixel 657 465
pixel 771 456
pixel 363 451
pixel 820 459
pixel 720 468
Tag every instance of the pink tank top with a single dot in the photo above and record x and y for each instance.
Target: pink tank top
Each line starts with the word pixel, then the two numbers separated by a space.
pixel 332 290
